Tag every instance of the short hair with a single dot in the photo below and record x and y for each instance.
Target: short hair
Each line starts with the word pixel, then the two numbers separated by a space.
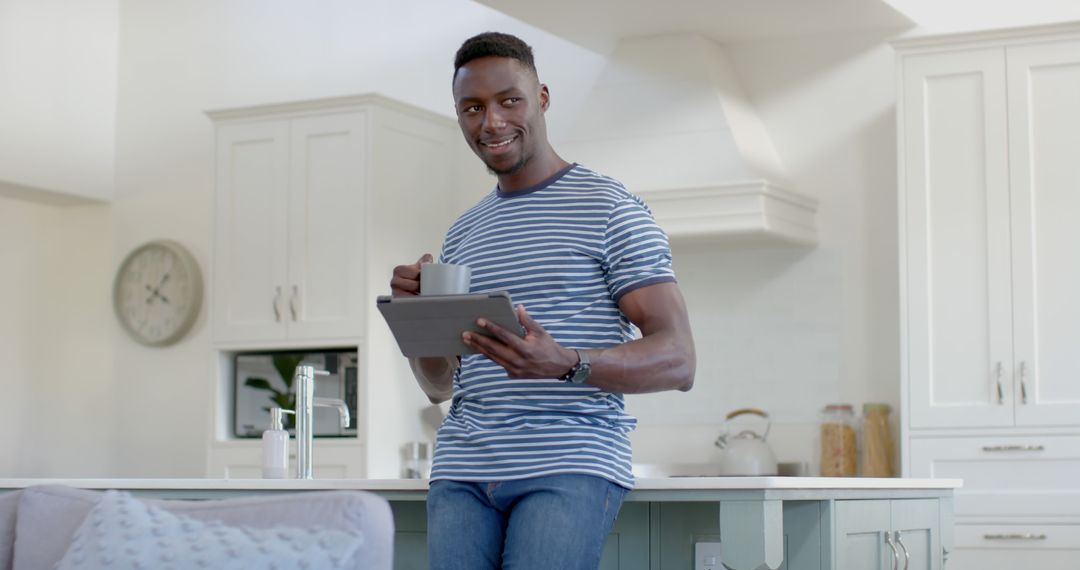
pixel 494 44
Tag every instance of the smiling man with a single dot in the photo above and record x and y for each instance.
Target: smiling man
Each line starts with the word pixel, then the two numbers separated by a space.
pixel 533 460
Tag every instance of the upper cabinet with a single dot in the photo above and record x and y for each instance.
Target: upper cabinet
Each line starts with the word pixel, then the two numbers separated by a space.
pixel 290 228
pixel 990 167
pixel 303 189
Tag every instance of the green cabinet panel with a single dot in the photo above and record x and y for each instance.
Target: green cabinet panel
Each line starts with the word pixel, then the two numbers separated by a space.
pixel 888 534
pixel 679 526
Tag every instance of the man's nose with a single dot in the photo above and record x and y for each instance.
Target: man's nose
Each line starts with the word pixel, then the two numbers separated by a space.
pixel 493 119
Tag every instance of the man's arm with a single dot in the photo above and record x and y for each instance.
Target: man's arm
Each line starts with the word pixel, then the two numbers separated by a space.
pixel 663 359
pixel 435 376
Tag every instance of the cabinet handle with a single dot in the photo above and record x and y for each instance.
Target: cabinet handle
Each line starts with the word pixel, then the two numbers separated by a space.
pixel 1015 536
pixel 895 553
pixel 1000 393
pixel 907 555
pixel 293 302
pixel 1014 448
pixel 277 304
pixel 1023 385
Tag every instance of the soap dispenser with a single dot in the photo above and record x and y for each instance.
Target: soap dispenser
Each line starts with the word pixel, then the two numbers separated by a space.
pixel 275 447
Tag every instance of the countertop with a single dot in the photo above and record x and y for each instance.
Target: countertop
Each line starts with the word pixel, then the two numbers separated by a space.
pixel 642 484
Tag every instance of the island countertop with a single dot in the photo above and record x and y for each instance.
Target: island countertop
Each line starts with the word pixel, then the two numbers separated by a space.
pixel 676 488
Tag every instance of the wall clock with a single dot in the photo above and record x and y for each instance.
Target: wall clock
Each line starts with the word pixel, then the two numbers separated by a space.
pixel 158 292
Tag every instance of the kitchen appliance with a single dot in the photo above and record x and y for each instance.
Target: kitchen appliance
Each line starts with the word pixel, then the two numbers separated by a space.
pixel 251 404
pixel 746 452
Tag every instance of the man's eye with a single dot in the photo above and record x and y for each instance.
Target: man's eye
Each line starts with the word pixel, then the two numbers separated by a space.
pixel 512 101
pixel 471 109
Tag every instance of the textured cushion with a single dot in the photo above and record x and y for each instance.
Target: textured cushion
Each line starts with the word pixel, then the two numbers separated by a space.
pixel 50 515
pixel 9 506
pixel 124 533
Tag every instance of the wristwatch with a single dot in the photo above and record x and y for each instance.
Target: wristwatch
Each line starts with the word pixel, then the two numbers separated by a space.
pixel 579 373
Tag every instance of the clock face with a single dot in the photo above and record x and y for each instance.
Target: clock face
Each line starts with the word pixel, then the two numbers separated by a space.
pixel 158 292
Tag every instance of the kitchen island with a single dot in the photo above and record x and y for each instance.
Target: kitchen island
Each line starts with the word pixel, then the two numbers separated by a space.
pixel 748 523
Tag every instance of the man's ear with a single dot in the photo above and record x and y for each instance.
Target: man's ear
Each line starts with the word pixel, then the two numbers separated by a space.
pixel 545 97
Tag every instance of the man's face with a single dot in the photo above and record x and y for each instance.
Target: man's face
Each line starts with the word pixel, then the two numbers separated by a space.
pixel 500 107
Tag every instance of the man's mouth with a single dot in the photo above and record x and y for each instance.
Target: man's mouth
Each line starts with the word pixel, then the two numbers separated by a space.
pixel 499 143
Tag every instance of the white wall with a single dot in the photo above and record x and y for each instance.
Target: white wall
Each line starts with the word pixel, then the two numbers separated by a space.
pixel 58 96
pixel 55 337
pixel 788 329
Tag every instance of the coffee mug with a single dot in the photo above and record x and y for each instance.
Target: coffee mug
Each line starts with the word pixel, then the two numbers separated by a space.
pixel 444 279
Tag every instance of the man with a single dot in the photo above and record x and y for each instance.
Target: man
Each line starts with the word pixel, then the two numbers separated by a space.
pixel 533 460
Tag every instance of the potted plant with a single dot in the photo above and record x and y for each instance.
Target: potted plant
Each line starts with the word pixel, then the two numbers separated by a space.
pixel 285 364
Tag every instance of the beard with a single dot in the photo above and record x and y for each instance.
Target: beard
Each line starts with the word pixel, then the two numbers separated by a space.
pixel 512 169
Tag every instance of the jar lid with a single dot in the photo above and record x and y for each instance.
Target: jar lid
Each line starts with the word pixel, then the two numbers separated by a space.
pixel 876 407
pixel 838 408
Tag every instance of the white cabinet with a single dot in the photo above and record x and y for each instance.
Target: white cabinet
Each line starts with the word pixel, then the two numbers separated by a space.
pixel 989 198
pixel 289 223
pixel 990 140
pixel 888 534
pixel 990 137
pixel 315 203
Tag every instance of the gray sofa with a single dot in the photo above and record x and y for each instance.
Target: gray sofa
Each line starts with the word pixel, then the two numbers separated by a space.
pixel 37 524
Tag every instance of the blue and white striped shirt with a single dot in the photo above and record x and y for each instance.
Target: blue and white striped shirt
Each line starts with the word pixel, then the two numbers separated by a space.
pixel 568 249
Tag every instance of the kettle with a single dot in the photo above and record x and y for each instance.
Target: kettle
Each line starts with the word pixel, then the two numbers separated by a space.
pixel 746 453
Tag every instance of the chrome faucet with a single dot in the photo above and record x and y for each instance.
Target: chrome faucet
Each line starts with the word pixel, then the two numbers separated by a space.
pixel 304 381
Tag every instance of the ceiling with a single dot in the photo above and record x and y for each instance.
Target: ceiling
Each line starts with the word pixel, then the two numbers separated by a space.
pixel 598 24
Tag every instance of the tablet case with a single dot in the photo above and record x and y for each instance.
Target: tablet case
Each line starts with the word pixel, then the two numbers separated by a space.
pixel 431 325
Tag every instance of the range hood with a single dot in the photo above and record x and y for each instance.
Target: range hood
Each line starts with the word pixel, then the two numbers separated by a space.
pixel 667 118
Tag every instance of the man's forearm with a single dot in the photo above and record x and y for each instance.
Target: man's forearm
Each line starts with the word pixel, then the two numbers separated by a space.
pixel 663 361
pixel 435 376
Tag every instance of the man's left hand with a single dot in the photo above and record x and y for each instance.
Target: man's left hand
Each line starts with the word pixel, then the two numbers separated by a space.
pixel 537 355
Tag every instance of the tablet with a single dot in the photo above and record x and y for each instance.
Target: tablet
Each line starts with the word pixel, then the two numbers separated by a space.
pixel 431 325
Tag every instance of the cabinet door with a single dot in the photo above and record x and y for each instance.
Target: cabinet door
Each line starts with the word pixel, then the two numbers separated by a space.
pixel 326 226
pixel 1044 155
pixel 861 529
pixel 249 223
pixel 915 525
pixel 956 239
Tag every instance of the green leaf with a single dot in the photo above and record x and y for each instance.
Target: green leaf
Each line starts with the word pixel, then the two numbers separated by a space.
pixel 259 384
pixel 286 366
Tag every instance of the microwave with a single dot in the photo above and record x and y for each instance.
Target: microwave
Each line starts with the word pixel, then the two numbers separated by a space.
pixel 258 385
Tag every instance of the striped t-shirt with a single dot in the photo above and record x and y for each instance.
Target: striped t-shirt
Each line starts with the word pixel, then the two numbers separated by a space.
pixel 568 249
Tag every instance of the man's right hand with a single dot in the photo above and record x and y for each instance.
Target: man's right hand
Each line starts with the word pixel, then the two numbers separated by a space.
pixel 406 279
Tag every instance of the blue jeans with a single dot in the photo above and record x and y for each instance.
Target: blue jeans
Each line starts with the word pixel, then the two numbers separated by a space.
pixel 558 522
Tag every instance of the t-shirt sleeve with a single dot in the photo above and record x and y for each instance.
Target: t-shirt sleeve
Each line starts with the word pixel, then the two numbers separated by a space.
pixel 636 249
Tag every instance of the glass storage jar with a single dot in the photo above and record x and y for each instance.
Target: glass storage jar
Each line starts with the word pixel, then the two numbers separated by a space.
pixel 838 452
pixel 877 443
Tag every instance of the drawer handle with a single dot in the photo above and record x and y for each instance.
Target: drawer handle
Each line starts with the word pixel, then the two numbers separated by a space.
pixel 895 552
pixel 1000 392
pixel 1014 448
pixel 1023 384
pixel 1015 536
pixel 277 307
pixel 907 555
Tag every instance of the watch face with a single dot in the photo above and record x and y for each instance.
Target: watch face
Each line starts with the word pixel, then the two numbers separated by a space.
pixel 157 293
